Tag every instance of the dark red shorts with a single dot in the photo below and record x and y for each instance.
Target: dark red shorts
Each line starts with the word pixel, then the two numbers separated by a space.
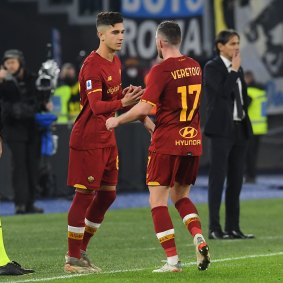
pixel 165 169
pixel 90 169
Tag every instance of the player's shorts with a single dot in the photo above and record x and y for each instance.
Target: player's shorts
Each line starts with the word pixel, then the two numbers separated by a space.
pixel 90 169
pixel 165 169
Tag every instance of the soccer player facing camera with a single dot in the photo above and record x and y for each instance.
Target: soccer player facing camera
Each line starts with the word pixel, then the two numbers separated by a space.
pixel 93 159
pixel 174 86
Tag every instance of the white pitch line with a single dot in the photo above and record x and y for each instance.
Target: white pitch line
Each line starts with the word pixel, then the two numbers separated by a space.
pixel 140 269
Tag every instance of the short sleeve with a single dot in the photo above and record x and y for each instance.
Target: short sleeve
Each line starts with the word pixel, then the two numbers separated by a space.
pixel 154 86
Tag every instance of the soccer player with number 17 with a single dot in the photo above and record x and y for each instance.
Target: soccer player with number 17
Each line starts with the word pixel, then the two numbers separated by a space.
pixel 174 86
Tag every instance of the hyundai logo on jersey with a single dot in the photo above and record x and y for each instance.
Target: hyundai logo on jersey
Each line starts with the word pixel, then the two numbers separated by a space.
pixel 188 132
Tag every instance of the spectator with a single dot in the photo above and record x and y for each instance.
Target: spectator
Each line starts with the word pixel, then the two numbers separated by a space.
pixel 257 114
pixel 20 102
pixel 228 128
pixel 66 98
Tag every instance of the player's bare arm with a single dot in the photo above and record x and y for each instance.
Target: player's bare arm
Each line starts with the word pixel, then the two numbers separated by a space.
pixel 137 112
pixel 148 124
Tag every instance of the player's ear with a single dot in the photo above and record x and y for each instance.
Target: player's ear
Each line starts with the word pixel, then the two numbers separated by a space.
pixel 100 35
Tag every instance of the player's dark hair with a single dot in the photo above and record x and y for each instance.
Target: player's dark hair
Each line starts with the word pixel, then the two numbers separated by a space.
pixel 223 37
pixel 108 18
pixel 171 31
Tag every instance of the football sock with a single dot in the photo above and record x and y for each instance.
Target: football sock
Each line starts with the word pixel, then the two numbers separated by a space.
pixel 76 225
pixel 189 214
pixel 165 232
pixel 95 214
pixel 3 255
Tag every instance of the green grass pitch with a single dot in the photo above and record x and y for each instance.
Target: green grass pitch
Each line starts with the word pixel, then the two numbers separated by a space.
pixel 127 250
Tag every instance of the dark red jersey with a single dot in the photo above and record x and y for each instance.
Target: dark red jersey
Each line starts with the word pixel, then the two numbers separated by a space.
pixel 100 94
pixel 174 86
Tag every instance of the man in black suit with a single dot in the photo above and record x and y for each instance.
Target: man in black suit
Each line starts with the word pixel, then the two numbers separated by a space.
pixel 228 128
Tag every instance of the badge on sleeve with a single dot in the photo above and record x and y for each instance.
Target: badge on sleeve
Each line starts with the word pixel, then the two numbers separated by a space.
pixel 88 85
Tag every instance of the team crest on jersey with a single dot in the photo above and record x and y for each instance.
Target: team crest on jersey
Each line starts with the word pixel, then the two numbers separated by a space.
pixel 109 78
pixel 90 179
pixel 188 132
pixel 88 85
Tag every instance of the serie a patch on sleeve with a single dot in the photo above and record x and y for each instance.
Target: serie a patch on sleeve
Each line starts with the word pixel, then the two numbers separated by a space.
pixel 88 85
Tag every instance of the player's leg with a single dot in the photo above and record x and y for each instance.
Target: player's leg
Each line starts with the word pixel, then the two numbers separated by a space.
pixel 76 228
pixel 158 180
pixel 186 175
pixel 8 267
pixel 96 211
pixel 85 176
pixel 164 227
pixel 104 197
pixel 4 259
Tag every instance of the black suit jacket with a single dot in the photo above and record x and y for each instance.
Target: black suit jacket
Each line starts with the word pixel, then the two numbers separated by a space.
pixel 1 125
pixel 218 86
pixel 20 101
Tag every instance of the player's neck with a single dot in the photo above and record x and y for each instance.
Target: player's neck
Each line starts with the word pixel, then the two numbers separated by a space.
pixel 171 53
pixel 105 53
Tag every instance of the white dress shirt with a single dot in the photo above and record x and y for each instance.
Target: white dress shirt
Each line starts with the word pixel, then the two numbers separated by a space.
pixel 228 65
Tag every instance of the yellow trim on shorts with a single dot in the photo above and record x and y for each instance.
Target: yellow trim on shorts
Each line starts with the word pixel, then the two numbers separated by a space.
pixel 79 186
pixel 149 102
pixel 153 184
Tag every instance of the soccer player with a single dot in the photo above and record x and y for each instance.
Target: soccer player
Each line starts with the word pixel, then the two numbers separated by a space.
pixel 174 86
pixel 93 159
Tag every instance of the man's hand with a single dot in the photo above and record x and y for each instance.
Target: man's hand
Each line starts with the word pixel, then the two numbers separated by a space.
pixel 236 61
pixel 3 74
pixel 112 123
pixel 132 95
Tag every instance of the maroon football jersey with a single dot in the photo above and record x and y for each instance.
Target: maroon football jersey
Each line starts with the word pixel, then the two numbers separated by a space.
pixel 174 86
pixel 100 94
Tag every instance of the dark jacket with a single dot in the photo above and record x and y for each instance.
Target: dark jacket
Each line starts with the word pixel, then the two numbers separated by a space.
pixel 218 86
pixel 20 101
pixel 1 124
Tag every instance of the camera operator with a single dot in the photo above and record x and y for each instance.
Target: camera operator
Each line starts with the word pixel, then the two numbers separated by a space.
pixel 21 100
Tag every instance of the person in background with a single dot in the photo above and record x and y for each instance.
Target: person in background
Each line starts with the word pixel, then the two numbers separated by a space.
pixel 66 98
pixel 174 86
pixel 257 113
pixel 20 102
pixel 8 267
pixel 228 129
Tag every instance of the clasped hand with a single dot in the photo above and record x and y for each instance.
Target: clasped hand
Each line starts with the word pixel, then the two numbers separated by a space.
pixel 132 95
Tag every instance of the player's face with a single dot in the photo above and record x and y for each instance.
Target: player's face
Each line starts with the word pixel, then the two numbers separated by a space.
pixel 231 48
pixel 12 65
pixel 113 36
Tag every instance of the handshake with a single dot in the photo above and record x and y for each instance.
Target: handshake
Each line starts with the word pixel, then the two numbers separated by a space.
pixel 131 95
